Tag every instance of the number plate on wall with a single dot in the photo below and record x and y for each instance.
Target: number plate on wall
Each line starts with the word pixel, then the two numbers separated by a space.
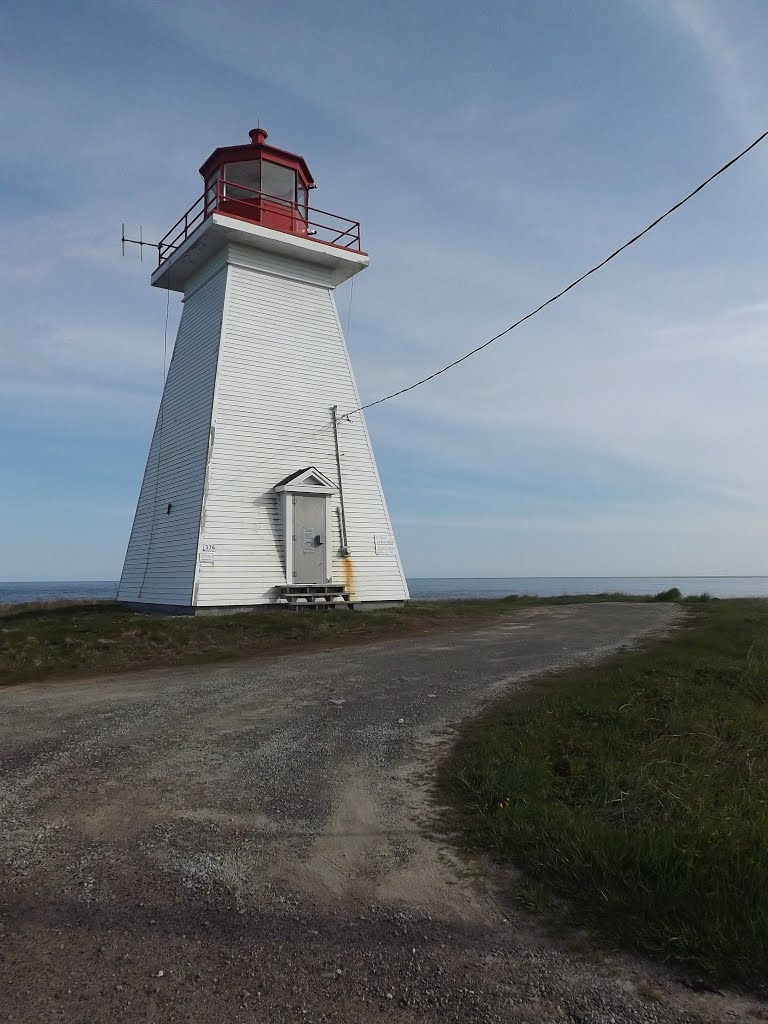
pixel 383 544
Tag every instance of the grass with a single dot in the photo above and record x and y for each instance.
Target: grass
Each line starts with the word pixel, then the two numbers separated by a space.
pixel 65 639
pixel 76 638
pixel 635 793
pixel 71 638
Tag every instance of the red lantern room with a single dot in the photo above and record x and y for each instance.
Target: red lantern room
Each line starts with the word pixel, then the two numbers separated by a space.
pixel 259 183
pixel 265 187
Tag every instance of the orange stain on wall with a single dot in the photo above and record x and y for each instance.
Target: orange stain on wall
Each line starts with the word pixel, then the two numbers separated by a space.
pixel 349 575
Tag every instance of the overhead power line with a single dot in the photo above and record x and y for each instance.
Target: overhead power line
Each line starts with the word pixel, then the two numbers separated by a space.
pixel 573 284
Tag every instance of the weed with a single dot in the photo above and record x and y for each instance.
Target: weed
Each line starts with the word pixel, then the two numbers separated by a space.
pixel 673 594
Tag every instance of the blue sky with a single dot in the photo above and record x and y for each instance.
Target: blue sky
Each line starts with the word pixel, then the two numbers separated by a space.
pixel 492 151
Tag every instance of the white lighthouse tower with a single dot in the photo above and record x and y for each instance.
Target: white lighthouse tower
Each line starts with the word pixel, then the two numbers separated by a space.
pixel 259 489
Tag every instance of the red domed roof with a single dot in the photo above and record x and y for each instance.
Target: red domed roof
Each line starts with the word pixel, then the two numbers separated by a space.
pixel 257 147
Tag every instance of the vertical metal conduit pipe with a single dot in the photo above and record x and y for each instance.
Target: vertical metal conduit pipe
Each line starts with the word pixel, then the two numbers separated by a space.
pixel 342 511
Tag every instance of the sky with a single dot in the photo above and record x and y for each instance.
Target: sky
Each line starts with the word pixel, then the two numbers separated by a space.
pixel 492 152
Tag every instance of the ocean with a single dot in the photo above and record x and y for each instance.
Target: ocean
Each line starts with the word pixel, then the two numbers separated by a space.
pixel 444 589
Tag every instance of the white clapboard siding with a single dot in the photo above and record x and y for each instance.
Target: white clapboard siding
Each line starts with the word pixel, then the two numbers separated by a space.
pixel 259 361
pixel 162 551
pixel 283 364
pixel 279 266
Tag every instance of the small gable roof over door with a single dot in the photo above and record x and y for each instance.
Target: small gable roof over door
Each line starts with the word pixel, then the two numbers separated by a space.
pixel 307 481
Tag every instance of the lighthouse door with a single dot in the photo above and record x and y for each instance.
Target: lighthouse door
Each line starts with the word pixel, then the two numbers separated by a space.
pixel 309 539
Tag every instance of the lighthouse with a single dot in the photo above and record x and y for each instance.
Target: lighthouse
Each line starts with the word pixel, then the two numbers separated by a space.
pixel 260 486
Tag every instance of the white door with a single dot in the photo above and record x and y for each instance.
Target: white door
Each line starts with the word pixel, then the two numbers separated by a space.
pixel 309 539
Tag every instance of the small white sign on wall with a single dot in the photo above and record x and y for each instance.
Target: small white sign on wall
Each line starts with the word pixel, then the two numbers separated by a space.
pixel 206 554
pixel 383 544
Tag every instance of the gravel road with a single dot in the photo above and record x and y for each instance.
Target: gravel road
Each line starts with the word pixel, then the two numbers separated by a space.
pixel 256 842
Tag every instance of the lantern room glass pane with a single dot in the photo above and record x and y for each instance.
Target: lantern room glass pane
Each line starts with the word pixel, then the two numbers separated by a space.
pixel 244 172
pixel 301 198
pixel 278 181
pixel 210 193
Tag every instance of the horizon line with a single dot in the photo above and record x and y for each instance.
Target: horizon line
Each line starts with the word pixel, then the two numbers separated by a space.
pixel 625 576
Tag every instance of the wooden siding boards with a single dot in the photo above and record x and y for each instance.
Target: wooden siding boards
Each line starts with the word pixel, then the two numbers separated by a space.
pixel 283 363
pixel 259 361
pixel 160 562
pixel 279 266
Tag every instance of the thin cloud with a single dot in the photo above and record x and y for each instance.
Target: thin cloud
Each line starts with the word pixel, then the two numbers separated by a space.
pixel 484 175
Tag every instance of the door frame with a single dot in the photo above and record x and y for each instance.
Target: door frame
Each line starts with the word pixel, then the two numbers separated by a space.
pixel 305 481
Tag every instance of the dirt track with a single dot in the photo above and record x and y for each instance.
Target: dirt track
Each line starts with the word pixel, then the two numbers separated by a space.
pixel 255 842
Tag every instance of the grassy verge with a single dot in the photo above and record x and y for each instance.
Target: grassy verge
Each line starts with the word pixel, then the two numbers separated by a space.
pixel 73 638
pixel 81 639
pixel 636 792
pixel 66 638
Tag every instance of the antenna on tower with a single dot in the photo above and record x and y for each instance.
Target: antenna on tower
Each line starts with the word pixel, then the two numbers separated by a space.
pixel 138 241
